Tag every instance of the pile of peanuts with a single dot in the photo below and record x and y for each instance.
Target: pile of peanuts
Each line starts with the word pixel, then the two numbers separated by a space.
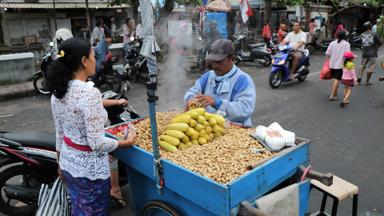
pixel 223 159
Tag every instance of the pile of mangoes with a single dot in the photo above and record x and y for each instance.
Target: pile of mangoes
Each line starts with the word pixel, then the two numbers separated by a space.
pixel 193 127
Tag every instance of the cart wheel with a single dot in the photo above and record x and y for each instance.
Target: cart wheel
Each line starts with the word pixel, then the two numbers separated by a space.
pixel 158 208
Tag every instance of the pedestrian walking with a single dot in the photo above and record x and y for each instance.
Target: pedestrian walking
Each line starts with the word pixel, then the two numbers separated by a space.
pixel 312 26
pixel 349 78
pixel 335 53
pixel 79 117
pixel 371 44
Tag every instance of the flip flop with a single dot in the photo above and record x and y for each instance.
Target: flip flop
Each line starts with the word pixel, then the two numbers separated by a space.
pixel 332 98
pixel 116 203
pixel 368 84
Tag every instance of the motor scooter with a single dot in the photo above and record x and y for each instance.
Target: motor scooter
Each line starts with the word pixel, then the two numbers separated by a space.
pixel 254 52
pixel 281 67
pixel 39 78
pixel 28 159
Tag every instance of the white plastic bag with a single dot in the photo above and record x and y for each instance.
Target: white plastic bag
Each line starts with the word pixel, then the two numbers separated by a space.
pixel 274 136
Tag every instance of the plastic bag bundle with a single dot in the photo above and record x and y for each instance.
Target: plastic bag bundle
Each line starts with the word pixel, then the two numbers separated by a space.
pixel 275 136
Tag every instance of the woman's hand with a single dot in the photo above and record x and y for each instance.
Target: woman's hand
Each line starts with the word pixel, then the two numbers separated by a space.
pixel 121 102
pixel 129 141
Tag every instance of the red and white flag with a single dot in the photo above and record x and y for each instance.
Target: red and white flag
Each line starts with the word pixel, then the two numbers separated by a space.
pixel 246 10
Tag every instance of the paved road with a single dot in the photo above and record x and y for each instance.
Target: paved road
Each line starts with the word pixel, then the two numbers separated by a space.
pixel 346 141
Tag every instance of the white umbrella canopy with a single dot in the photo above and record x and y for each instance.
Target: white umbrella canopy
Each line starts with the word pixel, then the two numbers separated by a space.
pixel 219 5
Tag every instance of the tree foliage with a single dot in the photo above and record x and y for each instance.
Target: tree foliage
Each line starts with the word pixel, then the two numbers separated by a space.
pixel 341 5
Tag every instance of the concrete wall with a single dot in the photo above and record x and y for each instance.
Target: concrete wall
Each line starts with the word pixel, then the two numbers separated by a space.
pixel 17 67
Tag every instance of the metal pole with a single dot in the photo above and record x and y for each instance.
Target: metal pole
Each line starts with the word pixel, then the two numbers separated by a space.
pixel 88 17
pixel 54 14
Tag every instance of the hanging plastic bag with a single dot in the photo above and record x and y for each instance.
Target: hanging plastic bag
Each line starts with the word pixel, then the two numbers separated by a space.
pixel 325 73
pixel 54 200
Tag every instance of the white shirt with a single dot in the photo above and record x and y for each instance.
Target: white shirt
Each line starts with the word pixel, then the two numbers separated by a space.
pixel 293 38
pixel 336 51
pixel 80 116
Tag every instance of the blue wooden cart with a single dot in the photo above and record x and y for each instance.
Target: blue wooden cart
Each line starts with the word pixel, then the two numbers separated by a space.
pixel 193 194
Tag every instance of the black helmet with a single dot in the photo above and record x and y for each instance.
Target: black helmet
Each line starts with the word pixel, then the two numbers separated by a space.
pixel 367 25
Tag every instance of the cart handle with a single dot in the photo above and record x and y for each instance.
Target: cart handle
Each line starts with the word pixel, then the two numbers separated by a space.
pixel 326 179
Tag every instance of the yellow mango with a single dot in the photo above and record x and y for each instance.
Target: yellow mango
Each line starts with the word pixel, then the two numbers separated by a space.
pixel 182 146
pixel 200 119
pixel 185 139
pixel 188 144
pixel 181 119
pixel 216 128
pixel 212 122
pixel 219 119
pixel 171 140
pixel 175 133
pixel 192 123
pixel 199 127
pixel 192 113
pixel 200 110
pixel 208 129
pixel 205 123
pixel 202 140
pixel 210 136
pixel 202 132
pixel 194 142
pixel 167 146
pixel 195 136
pixel 191 131
pixel 178 126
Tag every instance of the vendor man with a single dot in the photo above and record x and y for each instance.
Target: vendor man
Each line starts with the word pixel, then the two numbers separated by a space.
pixel 225 89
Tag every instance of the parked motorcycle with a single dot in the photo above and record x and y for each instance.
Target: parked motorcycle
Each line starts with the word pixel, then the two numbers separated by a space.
pixel 28 159
pixel 109 77
pixel 316 46
pixel 136 65
pixel 281 67
pixel 255 52
pixel 39 78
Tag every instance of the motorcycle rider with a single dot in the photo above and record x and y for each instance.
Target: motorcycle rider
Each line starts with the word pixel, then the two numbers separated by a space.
pixel 296 39
pixel 101 53
pixel 371 44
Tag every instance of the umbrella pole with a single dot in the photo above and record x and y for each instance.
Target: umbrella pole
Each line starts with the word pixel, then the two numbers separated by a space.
pixel 152 98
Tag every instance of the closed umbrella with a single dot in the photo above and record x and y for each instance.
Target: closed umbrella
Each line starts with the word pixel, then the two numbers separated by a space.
pixel 149 50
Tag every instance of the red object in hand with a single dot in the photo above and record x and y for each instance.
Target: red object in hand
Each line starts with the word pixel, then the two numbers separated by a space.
pixel 325 72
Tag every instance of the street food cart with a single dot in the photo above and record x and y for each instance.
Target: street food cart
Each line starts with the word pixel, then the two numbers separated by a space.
pixel 190 193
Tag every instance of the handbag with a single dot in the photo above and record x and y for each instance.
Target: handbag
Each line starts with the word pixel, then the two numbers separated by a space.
pixel 53 200
pixel 325 73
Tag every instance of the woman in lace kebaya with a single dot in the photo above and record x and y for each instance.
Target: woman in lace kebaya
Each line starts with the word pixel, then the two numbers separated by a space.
pixel 79 118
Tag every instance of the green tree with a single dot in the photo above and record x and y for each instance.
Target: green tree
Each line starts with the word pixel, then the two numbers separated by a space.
pixel 342 5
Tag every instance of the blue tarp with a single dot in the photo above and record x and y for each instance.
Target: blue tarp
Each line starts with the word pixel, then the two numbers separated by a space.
pixel 221 19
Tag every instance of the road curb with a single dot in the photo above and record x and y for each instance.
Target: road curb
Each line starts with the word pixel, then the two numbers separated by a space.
pixel 14 91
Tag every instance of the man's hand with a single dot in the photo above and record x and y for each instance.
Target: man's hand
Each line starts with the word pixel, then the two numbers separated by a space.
pixel 205 100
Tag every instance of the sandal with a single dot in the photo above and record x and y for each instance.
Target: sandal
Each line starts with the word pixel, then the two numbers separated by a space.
pixel 332 98
pixel 116 203
pixel 368 84
pixel 342 104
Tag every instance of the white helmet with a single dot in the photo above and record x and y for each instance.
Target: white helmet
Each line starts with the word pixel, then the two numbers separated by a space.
pixel 63 34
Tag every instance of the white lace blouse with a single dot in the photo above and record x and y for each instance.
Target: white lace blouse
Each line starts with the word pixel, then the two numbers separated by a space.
pixel 80 116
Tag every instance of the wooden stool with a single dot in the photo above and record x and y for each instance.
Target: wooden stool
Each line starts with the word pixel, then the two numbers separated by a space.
pixel 339 191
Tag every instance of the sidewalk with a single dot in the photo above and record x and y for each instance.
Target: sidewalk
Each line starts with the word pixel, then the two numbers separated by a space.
pixel 16 90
